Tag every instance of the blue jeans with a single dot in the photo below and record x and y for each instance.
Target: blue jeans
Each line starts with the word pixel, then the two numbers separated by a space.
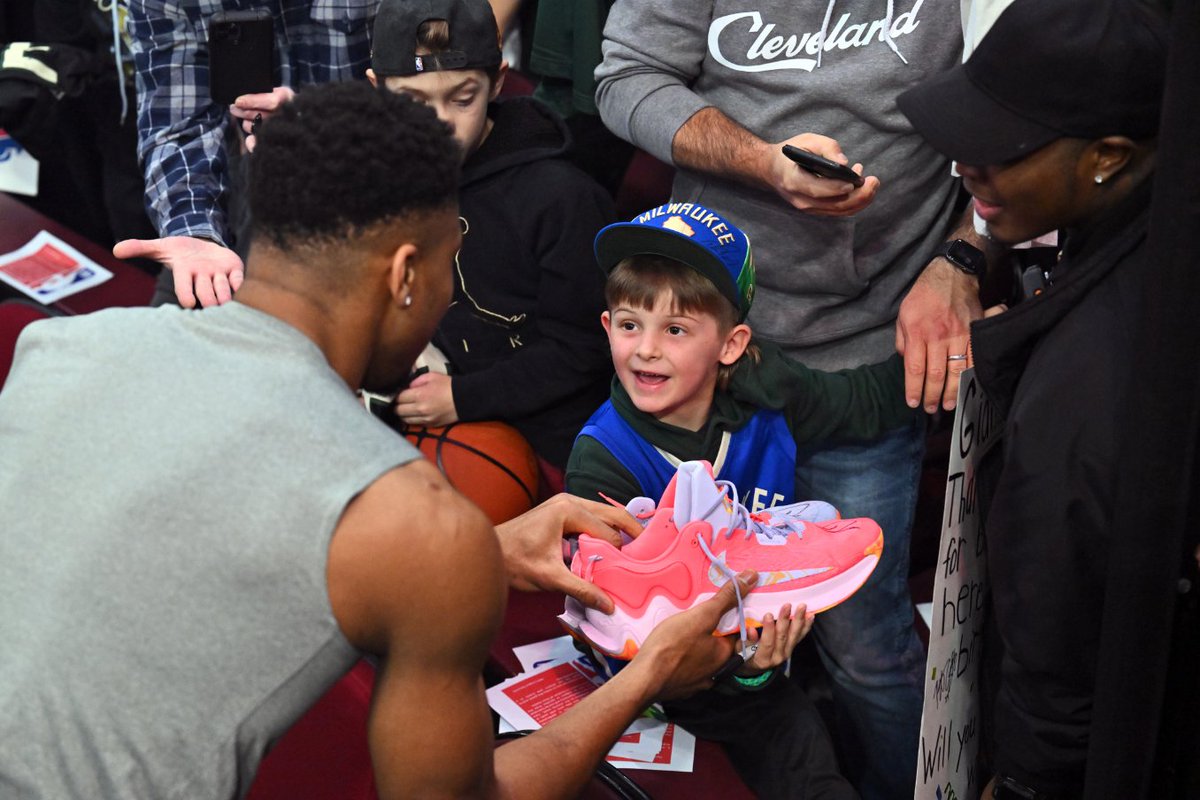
pixel 868 643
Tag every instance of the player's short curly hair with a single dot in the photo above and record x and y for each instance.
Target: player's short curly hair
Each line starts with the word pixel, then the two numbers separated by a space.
pixel 342 157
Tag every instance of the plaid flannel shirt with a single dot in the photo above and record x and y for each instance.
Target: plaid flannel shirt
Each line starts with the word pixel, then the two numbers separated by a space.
pixel 181 131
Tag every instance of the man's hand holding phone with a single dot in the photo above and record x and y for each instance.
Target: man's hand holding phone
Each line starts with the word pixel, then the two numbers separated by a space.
pixel 250 110
pixel 241 55
pixel 822 167
pixel 794 176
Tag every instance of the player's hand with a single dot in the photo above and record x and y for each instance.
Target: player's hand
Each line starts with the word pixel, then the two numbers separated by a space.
pixel 252 109
pixel 428 401
pixel 779 637
pixel 204 271
pixel 682 649
pixel 532 545
pixel 934 324
pixel 811 193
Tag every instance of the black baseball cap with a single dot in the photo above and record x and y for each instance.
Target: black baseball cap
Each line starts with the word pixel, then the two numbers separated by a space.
pixel 1047 69
pixel 474 37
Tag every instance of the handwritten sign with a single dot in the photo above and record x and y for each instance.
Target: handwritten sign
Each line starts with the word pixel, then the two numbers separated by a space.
pixel 946 768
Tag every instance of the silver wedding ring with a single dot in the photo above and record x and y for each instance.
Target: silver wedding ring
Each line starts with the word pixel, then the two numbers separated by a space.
pixel 957 357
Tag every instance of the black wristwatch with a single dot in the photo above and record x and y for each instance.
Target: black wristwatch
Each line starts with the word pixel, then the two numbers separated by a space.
pixel 965 256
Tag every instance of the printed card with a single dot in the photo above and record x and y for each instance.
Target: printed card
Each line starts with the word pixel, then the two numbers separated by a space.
pixel 558 678
pixel 48 269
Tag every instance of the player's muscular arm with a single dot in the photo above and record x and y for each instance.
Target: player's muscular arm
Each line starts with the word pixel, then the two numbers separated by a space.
pixel 415 574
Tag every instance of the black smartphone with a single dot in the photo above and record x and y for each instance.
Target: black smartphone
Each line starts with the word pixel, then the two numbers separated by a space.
pixel 241 54
pixel 822 166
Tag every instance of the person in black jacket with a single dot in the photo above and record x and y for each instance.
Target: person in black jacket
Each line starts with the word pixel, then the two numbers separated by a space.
pixel 1053 122
pixel 522 336
pixel 69 100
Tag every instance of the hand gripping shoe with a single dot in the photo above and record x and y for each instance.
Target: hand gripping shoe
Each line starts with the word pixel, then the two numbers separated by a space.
pixel 699 538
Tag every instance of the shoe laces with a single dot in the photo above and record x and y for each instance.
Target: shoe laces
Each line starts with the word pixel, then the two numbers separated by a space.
pixel 741 518
pixel 644 503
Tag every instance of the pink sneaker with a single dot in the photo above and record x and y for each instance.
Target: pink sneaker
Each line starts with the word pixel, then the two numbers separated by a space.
pixel 643 508
pixel 698 539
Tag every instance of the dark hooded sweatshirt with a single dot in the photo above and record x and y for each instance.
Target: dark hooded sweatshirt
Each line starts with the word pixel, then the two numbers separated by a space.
pixel 523 334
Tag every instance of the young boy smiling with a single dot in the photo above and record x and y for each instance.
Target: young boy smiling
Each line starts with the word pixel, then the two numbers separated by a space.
pixel 690 383
pixel 667 355
pixel 519 336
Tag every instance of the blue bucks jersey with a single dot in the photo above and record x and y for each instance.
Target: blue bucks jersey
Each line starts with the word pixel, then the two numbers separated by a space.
pixel 760 459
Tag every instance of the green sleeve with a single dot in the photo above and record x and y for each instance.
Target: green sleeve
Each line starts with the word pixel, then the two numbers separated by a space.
pixel 592 469
pixel 851 404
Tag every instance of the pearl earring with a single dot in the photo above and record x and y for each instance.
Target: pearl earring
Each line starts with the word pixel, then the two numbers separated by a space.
pixel 1099 179
pixel 407 300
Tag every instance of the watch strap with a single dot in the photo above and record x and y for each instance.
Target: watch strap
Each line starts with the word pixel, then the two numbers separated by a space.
pixel 1008 788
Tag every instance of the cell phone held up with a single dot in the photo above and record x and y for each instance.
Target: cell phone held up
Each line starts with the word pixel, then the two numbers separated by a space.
pixel 822 167
pixel 241 54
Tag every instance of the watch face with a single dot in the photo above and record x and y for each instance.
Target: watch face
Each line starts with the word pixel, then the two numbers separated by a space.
pixel 965 256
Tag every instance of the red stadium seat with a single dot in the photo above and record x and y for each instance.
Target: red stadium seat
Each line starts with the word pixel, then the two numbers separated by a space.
pixel 324 756
pixel 517 84
pixel 647 183
pixel 14 316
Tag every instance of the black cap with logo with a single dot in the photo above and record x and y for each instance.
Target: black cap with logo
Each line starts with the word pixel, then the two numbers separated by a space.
pixel 1047 69
pixel 474 37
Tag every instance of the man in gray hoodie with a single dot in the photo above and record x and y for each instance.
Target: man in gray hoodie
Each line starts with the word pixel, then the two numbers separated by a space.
pixel 845 273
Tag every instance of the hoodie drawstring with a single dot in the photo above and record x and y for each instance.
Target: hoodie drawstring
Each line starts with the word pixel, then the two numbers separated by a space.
pixel 887 30
pixel 825 30
pixel 887 33
pixel 114 8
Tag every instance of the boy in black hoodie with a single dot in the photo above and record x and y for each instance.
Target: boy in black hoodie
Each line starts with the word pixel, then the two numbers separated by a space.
pixel 520 335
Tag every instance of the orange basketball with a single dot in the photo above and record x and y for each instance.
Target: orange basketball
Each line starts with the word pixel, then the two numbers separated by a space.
pixel 489 462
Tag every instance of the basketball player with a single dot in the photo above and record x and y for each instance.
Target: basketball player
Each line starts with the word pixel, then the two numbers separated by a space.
pixel 188 562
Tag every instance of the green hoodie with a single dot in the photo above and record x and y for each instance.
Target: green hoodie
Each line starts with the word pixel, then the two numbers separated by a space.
pixel 851 405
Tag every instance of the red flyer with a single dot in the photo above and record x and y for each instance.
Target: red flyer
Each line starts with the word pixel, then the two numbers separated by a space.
pixel 560 679
pixel 48 269
pixel 546 694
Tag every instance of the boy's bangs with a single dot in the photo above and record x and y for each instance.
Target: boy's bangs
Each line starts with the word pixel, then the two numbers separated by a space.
pixel 639 281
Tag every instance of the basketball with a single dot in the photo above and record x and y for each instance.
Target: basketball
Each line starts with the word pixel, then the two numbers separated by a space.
pixel 489 462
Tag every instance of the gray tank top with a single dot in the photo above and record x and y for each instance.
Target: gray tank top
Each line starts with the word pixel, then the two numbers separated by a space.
pixel 169 483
